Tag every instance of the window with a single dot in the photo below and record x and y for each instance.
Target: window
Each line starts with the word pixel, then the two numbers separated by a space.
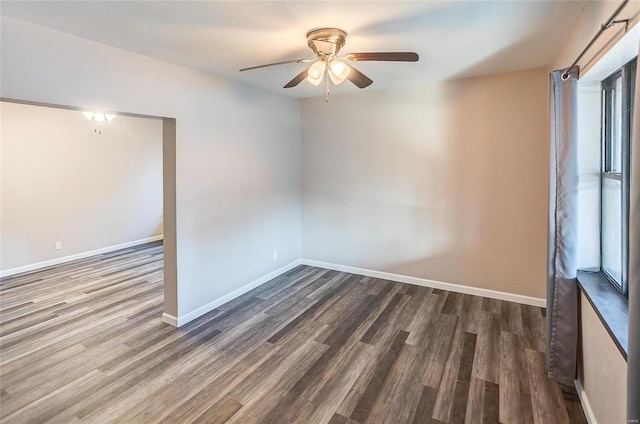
pixel 617 112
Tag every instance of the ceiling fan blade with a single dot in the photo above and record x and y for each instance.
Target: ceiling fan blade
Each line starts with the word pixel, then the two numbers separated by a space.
pixel 384 56
pixel 277 63
pixel 358 78
pixel 297 79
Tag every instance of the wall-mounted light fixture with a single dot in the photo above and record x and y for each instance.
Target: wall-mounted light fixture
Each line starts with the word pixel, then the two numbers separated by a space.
pixel 99 116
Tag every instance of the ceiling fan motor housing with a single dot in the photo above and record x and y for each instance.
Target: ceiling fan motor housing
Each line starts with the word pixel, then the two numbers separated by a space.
pixel 326 42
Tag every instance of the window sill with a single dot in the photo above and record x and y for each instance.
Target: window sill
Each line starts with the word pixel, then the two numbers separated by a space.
pixel 610 306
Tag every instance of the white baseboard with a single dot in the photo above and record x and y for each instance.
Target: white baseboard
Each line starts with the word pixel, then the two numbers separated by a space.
pixel 190 316
pixel 170 319
pixel 493 294
pixel 586 406
pixel 58 261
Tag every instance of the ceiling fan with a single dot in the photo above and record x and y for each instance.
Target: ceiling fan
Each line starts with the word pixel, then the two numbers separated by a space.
pixel 326 43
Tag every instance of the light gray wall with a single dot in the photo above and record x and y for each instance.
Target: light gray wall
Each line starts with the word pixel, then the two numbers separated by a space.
pixel 446 182
pixel 237 152
pixel 63 181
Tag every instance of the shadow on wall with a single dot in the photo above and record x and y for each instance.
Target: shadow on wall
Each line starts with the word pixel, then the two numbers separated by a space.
pixel 497 177
pixel 371 169
pixel 448 182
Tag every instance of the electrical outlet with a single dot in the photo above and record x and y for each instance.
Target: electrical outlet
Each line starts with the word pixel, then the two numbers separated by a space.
pixel 275 255
pixel 58 245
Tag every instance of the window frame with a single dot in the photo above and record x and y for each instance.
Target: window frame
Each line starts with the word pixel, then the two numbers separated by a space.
pixel 627 75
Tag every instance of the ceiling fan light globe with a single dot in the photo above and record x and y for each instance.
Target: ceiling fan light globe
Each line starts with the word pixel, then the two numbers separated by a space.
pixel 334 78
pixel 315 82
pixel 316 72
pixel 339 68
pixel 338 71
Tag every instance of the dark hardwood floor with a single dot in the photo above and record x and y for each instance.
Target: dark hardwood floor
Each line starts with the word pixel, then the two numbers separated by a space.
pixel 83 342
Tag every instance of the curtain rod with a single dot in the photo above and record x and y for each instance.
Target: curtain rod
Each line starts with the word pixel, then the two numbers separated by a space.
pixel 610 22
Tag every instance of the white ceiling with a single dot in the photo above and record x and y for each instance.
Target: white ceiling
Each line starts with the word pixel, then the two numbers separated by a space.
pixel 453 38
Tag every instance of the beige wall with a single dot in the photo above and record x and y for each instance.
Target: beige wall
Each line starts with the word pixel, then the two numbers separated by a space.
pixel 603 369
pixel 237 151
pixel 63 181
pixel 446 182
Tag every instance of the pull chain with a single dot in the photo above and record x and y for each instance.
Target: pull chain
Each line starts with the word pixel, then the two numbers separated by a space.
pixel 326 77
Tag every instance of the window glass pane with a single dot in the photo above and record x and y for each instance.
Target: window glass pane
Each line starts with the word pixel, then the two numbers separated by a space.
pixel 612 228
pixel 615 140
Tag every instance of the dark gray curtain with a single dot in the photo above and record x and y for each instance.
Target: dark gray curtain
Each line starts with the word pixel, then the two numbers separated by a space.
pixel 633 355
pixel 562 284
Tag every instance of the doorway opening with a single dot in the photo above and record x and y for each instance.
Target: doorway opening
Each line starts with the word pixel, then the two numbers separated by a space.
pixel 75 185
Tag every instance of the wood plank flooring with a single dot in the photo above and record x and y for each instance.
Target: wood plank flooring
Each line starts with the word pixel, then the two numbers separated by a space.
pixel 83 342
